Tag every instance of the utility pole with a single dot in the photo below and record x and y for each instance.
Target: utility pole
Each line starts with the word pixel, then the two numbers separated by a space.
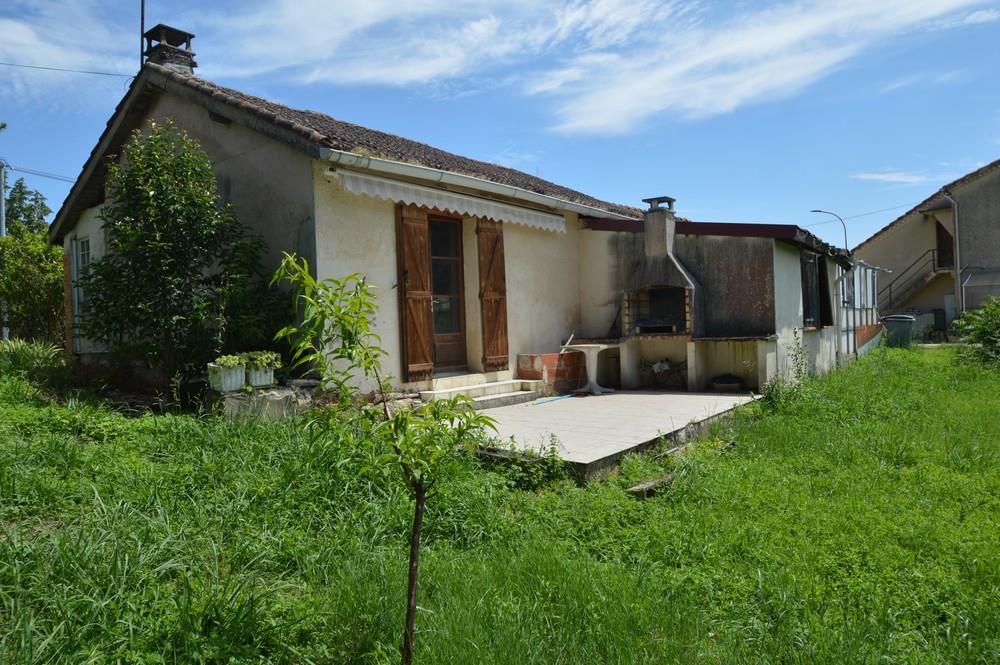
pixel 142 29
pixel 4 331
pixel 3 199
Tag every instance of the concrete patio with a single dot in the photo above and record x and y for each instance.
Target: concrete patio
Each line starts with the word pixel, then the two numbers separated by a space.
pixel 594 431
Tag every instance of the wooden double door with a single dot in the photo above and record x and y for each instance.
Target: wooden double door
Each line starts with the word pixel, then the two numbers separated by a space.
pixel 431 263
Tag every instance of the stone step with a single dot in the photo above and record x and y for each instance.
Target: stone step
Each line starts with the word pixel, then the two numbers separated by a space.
pixel 505 399
pixel 484 389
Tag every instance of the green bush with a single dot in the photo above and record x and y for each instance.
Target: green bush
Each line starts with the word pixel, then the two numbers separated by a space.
pixel 980 330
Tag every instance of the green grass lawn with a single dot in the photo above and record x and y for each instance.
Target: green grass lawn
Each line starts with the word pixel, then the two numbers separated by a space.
pixel 859 524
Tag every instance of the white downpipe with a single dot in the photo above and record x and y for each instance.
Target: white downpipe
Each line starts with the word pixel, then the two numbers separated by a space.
pixel 438 176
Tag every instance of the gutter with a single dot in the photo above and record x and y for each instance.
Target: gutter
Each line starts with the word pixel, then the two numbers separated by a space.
pixel 958 255
pixel 445 178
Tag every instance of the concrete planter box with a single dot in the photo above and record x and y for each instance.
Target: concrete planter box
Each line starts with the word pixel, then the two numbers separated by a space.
pixel 226 379
pixel 259 377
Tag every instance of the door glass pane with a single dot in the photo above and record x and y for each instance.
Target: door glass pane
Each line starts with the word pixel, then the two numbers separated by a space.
pixel 445 277
pixel 446 312
pixel 444 239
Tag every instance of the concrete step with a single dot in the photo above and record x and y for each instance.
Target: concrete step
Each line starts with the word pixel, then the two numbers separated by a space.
pixel 506 399
pixel 465 379
pixel 484 389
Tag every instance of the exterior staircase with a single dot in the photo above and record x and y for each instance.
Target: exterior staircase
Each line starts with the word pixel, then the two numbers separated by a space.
pixel 485 391
pixel 910 281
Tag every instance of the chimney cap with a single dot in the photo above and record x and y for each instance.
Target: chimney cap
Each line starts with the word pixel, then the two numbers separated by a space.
pixel 654 203
pixel 171 36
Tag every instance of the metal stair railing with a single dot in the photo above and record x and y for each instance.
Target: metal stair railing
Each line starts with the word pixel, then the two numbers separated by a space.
pixel 898 289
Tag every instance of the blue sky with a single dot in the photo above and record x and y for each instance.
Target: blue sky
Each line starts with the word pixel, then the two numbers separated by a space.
pixel 743 111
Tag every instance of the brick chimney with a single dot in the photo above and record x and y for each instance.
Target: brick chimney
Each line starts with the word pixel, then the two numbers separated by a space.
pixel 171 48
pixel 659 225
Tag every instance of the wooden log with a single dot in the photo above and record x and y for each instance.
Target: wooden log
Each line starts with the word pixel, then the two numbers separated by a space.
pixel 649 488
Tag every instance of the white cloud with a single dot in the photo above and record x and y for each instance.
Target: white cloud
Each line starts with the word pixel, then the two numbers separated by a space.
pixel 605 66
pixel 982 16
pixel 924 79
pixel 974 18
pixel 699 70
pixel 894 177
pixel 66 34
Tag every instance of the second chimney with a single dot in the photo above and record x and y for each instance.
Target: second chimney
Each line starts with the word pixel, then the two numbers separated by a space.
pixel 659 225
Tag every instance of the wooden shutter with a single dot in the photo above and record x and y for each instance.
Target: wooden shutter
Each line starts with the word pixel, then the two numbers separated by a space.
pixel 413 263
pixel 493 295
pixel 810 289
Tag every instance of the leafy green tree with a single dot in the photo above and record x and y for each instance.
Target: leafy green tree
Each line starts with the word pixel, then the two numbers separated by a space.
pixel 335 336
pixel 27 207
pixel 174 259
pixel 31 270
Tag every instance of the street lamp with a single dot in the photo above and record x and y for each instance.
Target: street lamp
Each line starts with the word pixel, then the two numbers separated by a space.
pixel 847 302
pixel 827 212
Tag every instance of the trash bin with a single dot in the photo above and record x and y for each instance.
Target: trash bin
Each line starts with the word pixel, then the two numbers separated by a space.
pixel 900 329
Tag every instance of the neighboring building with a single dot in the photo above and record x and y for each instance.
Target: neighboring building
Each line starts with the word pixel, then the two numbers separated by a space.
pixel 475 263
pixel 944 254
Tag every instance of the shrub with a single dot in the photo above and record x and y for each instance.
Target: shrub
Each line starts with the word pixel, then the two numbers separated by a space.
pixel 38 360
pixel 979 330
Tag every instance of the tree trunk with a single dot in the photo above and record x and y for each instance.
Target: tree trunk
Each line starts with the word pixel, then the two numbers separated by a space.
pixel 420 498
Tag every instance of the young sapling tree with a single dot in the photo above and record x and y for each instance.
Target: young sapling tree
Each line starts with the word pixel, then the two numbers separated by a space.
pixel 335 336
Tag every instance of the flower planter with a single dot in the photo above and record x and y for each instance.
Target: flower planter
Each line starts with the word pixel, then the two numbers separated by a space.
pixel 226 379
pixel 260 376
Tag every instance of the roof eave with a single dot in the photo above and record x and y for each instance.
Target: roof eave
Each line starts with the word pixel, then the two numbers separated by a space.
pixel 443 179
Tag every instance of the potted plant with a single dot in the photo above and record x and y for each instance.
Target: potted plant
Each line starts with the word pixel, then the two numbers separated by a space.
pixel 261 366
pixel 227 374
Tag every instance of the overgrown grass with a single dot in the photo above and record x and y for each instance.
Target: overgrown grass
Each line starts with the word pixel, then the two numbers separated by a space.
pixel 860 523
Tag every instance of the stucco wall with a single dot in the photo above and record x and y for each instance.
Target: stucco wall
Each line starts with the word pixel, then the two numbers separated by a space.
pixel 932 296
pixel 818 345
pixel 979 221
pixel 599 297
pixel 900 245
pixel 787 301
pixel 543 292
pixel 358 234
pixel 737 279
pixel 88 227
pixel 268 183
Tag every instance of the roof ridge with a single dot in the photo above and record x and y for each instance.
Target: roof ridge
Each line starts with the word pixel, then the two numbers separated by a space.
pixel 962 180
pixel 331 132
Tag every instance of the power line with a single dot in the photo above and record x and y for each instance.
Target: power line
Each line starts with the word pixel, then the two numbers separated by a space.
pixel 71 71
pixel 863 214
pixel 42 174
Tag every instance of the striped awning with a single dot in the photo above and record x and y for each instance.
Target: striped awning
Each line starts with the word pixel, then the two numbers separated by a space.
pixel 445 201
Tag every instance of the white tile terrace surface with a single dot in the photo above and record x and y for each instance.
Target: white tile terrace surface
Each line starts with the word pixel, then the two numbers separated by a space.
pixel 592 428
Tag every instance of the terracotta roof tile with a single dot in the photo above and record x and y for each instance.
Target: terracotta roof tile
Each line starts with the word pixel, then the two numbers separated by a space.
pixel 340 135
